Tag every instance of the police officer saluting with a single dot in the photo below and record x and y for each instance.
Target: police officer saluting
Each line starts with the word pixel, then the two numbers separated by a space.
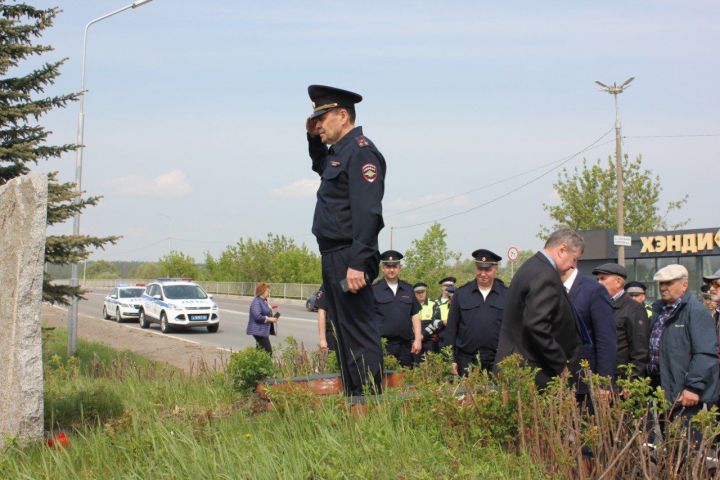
pixel 397 309
pixel 476 313
pixel 347 221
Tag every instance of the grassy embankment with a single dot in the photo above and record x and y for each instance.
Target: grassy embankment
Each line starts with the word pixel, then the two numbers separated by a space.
pixel 130 418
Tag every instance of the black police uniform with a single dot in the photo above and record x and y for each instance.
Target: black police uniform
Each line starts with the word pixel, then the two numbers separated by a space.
pixel 474 324
pixel 347 221
pixel 321 303
pixel 394 312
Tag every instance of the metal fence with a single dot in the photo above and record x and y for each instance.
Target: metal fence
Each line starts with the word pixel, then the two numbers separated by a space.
pixel 277 290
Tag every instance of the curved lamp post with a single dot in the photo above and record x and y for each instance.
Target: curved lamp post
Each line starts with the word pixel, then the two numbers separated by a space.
pixel 73 310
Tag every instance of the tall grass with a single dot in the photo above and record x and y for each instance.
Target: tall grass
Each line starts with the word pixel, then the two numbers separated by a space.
pixel 171 425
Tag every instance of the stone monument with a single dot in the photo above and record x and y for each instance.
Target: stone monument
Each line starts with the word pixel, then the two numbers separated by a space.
pixel 23 222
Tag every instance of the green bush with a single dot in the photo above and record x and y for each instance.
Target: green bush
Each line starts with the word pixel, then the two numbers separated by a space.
pixel 81 405
pixel 247 367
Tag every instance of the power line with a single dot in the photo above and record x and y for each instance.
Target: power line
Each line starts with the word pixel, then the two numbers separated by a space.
pixel 499 197
pixel 142 248
pixel 492 184
pixel 675 136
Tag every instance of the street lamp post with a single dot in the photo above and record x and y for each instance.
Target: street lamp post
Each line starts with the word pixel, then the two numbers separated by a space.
pixel 615 90
pixel 73 310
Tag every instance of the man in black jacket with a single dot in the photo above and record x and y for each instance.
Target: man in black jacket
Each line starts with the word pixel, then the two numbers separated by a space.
pixel 346 224
pixel 476 314
pixel 397 311
pixel 538 321
pixel 632 325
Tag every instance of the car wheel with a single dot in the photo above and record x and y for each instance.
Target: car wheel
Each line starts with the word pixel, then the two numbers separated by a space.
pixel 308 306
pixel 213 328
pixel 118 316
pixel 143 321
pixel 105 314
pixel 164 325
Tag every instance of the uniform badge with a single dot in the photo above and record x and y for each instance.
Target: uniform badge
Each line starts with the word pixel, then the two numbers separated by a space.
pixel 334 163
pixel 362 141
pixel 369 172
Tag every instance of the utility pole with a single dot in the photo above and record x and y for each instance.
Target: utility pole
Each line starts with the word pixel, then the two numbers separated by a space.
pixel 391 237
pixel 614 90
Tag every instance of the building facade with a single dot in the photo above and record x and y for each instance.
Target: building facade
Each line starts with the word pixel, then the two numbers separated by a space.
pixel 698 250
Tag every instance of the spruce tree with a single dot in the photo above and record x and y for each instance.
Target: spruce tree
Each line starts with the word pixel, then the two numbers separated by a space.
pixel 23 139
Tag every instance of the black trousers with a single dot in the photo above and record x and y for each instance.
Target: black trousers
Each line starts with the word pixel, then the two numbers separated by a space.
pixel 358 332
pixel 263 343
pixel 430 346
pixel 464 360
pixel 400 349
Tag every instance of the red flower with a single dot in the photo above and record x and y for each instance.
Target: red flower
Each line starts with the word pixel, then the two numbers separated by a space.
pixel 59 440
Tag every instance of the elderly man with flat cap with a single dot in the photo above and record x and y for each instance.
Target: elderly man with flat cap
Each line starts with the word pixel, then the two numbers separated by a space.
pixel 683 345
pixel 347 221
pixel 476 313
pixel 631 322
pixel 592 306
pixel 397 311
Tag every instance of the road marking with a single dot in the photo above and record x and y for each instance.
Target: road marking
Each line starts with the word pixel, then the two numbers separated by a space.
pixel 305 320
pixel 148 330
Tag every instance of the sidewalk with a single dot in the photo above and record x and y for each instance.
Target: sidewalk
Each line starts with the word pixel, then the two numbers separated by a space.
pixel 185 355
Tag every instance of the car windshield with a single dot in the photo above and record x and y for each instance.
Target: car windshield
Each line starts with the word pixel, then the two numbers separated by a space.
pixel 189 292
pixel 131 292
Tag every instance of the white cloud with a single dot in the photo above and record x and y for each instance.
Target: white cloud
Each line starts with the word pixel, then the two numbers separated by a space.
pixel 303 188
pixel 173 184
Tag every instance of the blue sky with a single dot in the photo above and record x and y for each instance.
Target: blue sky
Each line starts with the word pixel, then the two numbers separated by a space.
pixel 195 111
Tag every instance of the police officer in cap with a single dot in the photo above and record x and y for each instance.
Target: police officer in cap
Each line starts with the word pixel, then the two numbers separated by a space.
pixel 443 300
pixel 429 313
pixel 397 311
pixel 347 221
pixel 638 292
pixel 476 312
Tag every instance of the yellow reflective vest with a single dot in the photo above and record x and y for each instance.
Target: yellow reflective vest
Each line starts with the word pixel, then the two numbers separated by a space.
pixel 444 310
pixel 427 310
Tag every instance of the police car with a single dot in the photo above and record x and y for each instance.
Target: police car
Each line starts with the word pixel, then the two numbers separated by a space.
pixel 123 302
pixel 178 303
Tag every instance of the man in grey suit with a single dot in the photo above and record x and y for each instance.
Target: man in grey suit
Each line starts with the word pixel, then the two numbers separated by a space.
pixel 539 322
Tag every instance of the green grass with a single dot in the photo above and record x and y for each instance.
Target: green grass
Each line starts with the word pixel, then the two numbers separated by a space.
pixel 170 425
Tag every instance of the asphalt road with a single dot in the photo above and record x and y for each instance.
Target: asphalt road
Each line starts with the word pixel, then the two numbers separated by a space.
pixel 295 321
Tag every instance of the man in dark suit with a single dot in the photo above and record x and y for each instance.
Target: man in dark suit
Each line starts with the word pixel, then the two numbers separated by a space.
pixel 633 327
pixel 538 321
pixel 592 305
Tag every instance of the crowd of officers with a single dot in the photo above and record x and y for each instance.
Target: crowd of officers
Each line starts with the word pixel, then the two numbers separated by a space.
pixel 550 315
pixel 615 324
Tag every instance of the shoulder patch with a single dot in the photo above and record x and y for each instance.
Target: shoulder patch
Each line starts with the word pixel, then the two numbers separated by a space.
pixel 362 141
pixel 369 172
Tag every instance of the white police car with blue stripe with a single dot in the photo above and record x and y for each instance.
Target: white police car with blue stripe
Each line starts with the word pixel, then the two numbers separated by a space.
pixel 178 303
pixel 123 302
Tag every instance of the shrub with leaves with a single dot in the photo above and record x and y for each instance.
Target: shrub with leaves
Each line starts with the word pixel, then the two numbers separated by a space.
pixel 248 367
